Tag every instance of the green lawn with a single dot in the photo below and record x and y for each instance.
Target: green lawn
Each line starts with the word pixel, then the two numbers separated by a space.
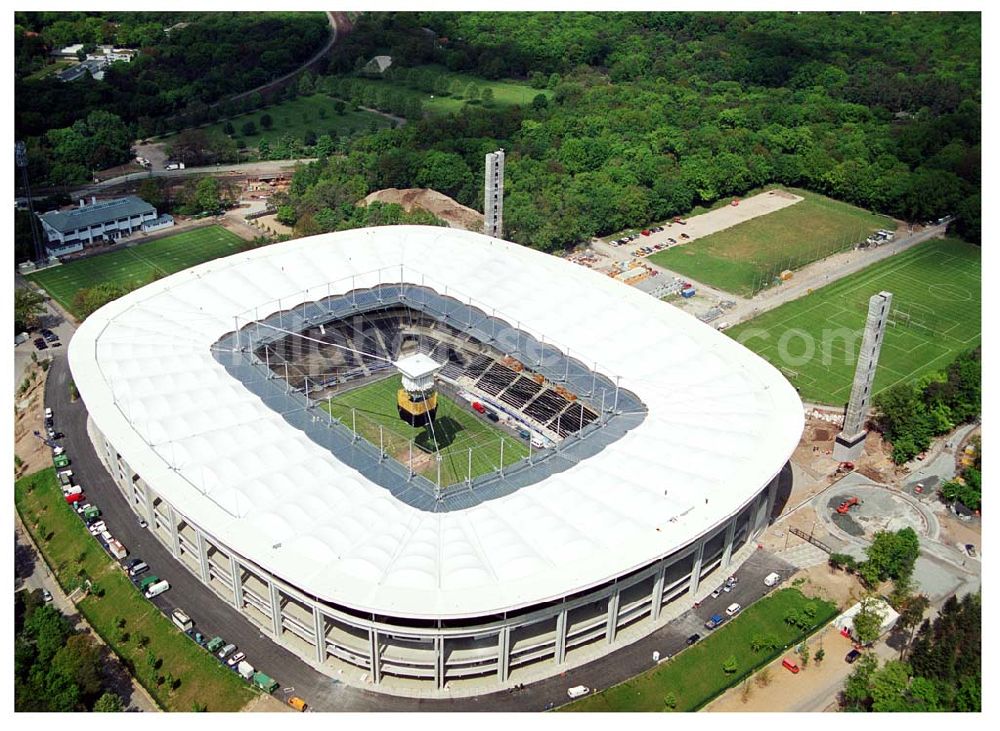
pixel 695 676
pixel 505 93
pixel 456 429
pixel 935 285
pixel 745 258
pixel 297 117
pixel 138 265
pixel 74 554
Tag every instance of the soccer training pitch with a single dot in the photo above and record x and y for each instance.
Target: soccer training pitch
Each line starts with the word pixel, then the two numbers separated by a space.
pixel 814 341
pixel 745 258
pixel 137 265
pixel 456 430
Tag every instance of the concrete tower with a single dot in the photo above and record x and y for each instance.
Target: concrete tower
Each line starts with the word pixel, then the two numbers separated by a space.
pixel 851 441
pixel 493 203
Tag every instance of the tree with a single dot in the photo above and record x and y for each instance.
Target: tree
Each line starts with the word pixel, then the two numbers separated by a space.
pixel 891 556
pixel 670 701
pixel 207 196
pixel 911 615
pixel 249 129
pixel 868 621
pixel 731 665
pixel 228 128
pixel 339 107
pixel 306 84
pixel 310 138
pixel 487 96
pixel 265 121
pixel 819 655
pixel 28 307
pixel 109 703
pixel 81 659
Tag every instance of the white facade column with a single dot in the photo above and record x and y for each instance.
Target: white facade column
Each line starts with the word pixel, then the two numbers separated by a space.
pixel 654 612
pixel 275 607
pixel 503 654
pixel 562 621
pixel 374 656
pixel 237 572
pixel 319 627
pixel 202 556
pixel 438 662
pixel 175 541
pixel 696 570
pixel 150 513
pixel 611 629
pixel 727 552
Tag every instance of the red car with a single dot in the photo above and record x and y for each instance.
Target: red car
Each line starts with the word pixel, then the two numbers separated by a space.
pixel 478 407
pixel 645 232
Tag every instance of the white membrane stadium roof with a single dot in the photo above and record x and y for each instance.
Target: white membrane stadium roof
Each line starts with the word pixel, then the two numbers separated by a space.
pixel 721 424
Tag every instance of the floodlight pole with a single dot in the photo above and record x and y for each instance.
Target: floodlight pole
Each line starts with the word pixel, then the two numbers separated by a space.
pixel 307 390
pixel 593 381
pixel 468 479
pixel 566 377
pixel 281 320
pixel 329 407
pixel 501 456
pixel 604 418
pixel 410 464
pixel 381 448
pixel 287 384
pixel 529 448
pixel 618 380
pixel 267 359
pixel 236 327
pixel 354 425
pixel 581 415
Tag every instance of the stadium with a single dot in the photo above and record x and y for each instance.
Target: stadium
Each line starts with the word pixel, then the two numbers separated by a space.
pixel 430 460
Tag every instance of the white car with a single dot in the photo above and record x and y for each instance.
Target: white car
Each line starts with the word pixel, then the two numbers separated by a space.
pixel 733 609
pixel 577 691
pixel 57 451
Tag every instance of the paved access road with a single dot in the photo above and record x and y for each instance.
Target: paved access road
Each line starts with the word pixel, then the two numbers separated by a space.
pixel 212 616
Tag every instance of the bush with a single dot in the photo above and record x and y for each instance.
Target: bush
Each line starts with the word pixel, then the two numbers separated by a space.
pixel 730 665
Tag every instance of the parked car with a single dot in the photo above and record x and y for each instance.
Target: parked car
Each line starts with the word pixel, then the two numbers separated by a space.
pixel 714 621
pixel 46 595
pixel 717 593
pixel 693 638
pixel 226 651
pixel 236 658
pixel 733 609
pixel 50 337
pixel 790 665
pixel 40 343
pixel 852 656
pixel 142 522
pixel 970 549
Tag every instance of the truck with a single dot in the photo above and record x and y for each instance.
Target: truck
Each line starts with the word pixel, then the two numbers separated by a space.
pixel 65 478
pixel 246 670
pixel 215 644
pixel 181 619
pixel 772 578
pixel 175 166
pixel 60 461
pixel 117 549
pixel 91 512
pixel 148 582
pixel 297 703
pixel 75 497
pixel 265 682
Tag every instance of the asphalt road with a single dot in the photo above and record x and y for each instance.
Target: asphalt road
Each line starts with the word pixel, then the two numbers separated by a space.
pixel 212 616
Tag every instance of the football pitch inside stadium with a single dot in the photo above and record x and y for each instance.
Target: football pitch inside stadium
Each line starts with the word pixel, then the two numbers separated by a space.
pixel 814 341
pixel 456 430
pixel 138 265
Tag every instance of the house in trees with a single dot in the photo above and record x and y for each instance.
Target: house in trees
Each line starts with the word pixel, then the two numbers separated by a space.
pixel 70 230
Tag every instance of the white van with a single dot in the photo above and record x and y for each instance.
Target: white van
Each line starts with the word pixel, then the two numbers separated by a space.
pixel 577 691
pixel 772 579
pixel 733 609
pixel 156 589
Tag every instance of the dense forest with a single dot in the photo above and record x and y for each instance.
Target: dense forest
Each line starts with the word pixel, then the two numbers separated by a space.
pixel 177 75
pixel 653 114
pixel 911 414
pixel 943 670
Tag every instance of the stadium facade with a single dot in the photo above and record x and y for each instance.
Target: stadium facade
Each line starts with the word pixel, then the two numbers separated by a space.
pixel 659 445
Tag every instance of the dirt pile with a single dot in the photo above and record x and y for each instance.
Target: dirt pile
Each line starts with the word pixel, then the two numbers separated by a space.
pixel 447 209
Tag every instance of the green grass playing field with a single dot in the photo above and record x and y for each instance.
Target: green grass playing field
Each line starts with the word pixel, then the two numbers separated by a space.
pixel 314 113
pixel 137 265
pixel 505 93
pixel 936 289
pixel 456 429
pixel 745 258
